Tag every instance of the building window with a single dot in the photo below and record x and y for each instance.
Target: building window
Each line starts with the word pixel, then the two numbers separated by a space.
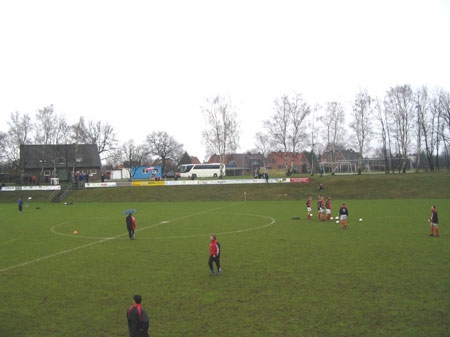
pixel 79 160
pixel 47 173
pixel 60 161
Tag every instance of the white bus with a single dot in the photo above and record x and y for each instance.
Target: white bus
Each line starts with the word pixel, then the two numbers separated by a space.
pixel 200 171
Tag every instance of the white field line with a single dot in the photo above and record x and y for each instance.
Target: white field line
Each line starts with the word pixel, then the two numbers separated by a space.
pixel 272 221
pixel 101 240
pixel 52 255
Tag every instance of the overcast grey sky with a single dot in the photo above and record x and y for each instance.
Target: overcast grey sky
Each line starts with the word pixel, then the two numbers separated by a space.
pixel 145 66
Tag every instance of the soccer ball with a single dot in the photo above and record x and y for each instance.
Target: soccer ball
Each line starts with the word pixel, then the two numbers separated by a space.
pixel 337 221
pixel 360 219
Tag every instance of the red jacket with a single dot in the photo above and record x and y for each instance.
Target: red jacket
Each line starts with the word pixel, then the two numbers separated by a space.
pixel 213 248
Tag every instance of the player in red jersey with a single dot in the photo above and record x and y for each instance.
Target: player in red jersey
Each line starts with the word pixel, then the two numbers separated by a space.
pixel 320 208
pixel 328 208
pixel 309 207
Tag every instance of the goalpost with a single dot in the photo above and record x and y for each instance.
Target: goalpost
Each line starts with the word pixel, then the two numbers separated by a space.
pixel 337 167
pixel 345 165
pixel 368 165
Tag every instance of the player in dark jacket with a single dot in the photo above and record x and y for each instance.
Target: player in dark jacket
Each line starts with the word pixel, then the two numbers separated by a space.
pixel 343 214
pixel 434 222
pixel 131 225
pixel 138 321
pixel 20 203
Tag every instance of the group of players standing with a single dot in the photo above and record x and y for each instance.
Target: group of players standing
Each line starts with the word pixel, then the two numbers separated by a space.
pixel 324 214
pixel 324 210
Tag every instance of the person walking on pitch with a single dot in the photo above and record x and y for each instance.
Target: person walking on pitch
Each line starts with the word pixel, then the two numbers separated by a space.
pixel 214 255
pixel 434 229
pixel 343 214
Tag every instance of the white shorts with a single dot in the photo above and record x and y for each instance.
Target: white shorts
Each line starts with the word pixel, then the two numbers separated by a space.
pixel 343 217
pixel 308 209
pixel 328 211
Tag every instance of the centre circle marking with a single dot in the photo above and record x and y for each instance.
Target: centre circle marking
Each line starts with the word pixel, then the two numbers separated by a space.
pixel 270 222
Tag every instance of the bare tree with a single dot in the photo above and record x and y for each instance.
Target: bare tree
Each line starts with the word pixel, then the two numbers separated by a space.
pixel 79 132
pixel 19 132
pixel 20 127
pixel 95 132
pixel 400 104
pixel 361 124
pixel 277 127
pixel 334 120
pixel 313 140
pixel 101 134
pixel 443 124
pixel 297 134
pixel 132 156
pixel 49 128
pixel 384 135
pixel 427 114
pixel 3 146
pixel 285 127
pixel 221 135
pixel 164 146
pixel 262 143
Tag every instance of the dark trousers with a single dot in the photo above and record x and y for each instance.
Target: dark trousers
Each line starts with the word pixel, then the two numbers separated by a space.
pixel 216 260
pixel 131 233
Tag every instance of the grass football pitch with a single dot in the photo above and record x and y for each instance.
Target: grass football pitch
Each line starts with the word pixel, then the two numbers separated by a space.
pixel 384 276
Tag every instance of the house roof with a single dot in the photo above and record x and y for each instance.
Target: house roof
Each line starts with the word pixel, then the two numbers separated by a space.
pixel 340 155
pixel 276 159
pixel 61 155
pixel 241 160
pixel 195 160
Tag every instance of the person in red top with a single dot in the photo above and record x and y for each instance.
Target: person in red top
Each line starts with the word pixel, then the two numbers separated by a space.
pixel 320 209
pixel 131 225
pixel 309 207
pixel 328 208
pixel 214 255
